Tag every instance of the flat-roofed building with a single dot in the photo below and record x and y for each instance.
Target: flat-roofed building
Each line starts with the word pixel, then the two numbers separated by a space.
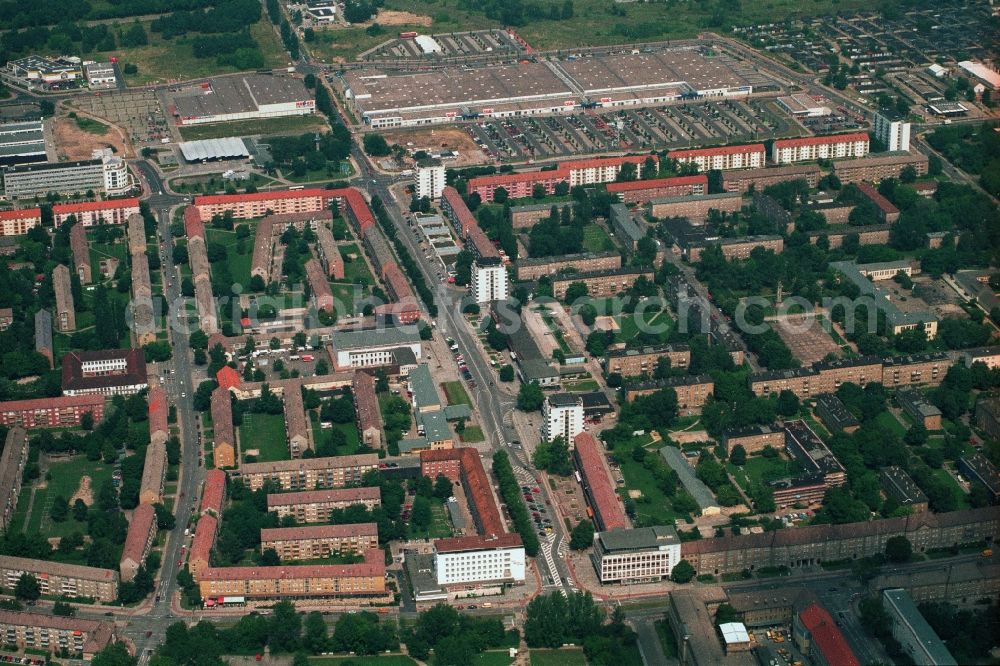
pixel 138 541
pixel 912 631
pixel 749 156
pixel 742 181
pixel 802 490
pixel 643 361
pixel 308 473
pixel 834 414
pixel 692 391
pixel 696 207
pixel 372 348
pixel 562 416
pixel 104 372
pixel 223 435
pixel 641 191
pixel 244 97
pixel 313 542
pixel 600 284
pixel 919 409
pixel 65 310
pixel 979 470
pixel 58 579
pixel 753 438
pixel 915 369
pixel 314 506
pixel 57 412
pixel 478 560
pixel 534 268
pixel 12 463
pixel 899 487
pixel 879 167
pixel 990 356
pixel 862 276
pixel 703 496
pixel 810 148
pixel 637 555
pixel 153 474
pixel 816 458
pixel 52 633
pixel 733 248
pixel 367 409
pixel 606 506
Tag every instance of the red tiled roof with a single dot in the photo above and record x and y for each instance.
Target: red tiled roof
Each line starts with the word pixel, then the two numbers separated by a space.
pixel 607 504
pixel 366 402
pixel 319 532
pixel 630 185
pixel 353 495
pixel 607 161
pixel 358 205
pixel 819 140
pixel 216 199
pixel 91 400
pixel 138 532
pixel 459 209
pixel 501 179
pixel 399 288
pixel 477 486
pixel 67 209
pixel 373 566
pixel 467 543
pixel 204 537
pixel 718 150
pixel 484 246
pixel 228 377
pixel 158 409
pixel 214 490
pixel 827 637
pixel 193 227
pixel 439 455
pixel 876 198
pixel 20 213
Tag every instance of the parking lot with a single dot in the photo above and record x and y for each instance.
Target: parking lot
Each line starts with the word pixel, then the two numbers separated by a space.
pixel 137 112
pixel 675 126
pixel 453 45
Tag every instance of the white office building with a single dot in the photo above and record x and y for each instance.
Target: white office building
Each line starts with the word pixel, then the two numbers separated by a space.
pixel 374 347
pixel 430 179
pixel 478 560
pixel 562 416
pixel 640 555
pixel 892 131
pixel 105 174
pixel 489 282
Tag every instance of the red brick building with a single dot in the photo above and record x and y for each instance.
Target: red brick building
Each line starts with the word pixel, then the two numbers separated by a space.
pixel 55 412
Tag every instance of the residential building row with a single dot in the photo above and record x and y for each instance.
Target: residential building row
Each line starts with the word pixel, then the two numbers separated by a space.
pixel 578 172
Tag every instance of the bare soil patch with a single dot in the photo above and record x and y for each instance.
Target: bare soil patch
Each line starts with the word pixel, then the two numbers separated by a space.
pixel 74 143
pixel 443 138
pixel 392 17
pixel 83 492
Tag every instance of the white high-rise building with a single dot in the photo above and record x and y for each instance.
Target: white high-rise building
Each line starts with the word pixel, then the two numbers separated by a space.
pixel 489 281
pixel 563 417
pixel 892 131
pixel 430 179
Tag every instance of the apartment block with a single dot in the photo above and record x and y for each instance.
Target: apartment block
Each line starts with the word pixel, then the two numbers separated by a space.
pixel 308 473
pixel 876 168
pixel 601 284
pixel 892 130
pixel 317 581
pixel 919 409
pixel 990 356
pixel 641 191
pixel 12 463
pixel 733 248
pixel 813 454
pixel 643 361
pixel 65 310
pixel 807 149
pixel 19 221
pixel 223 435
pixel 153 474
pixel 875 234
pixel 53 634
pixel 138 541
pixel 58 579
pixel 430 178
pixel 750 156
pixel 489 281
pixel 898 486
pixel 916 369
pixel 532 269
pixel 758 179
pixel 978 469
pixel 562 416
pixel 105 372
pixel 43 335
pixel 57 412
pixel 476 560
pixel 91 213
pixel 606 506
pixel 367 409
pixel 692 391
pixel 834 414
pixel 314 506
pixel 696 207
pixel 524 217
pixel 578 172
pixel 199 559
pixel 887 211
pixel 315 542
pixel 754 438
pixel 464 466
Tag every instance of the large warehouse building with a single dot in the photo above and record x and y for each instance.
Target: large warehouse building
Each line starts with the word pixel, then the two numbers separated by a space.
pixel 243 98
pixel 22 142
pixel 532 88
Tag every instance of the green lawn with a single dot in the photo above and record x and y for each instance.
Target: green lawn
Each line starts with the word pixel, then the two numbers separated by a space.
pixel 596 239
pixel 350 430
pixel 284 125
pixel 355 270
pixel 239 263
pixel 960 496
pixel 379 660
pixel 456 393
pixel 347 298
pixel 563 657
pixel 758 470
pixel 440 528
pixel 656 323
pixel 890 422
pixel 653 508
pixel 472 434
pixel 66 476
pixel 265 432
pixel 92 126
pixel 581 386
pixel 493 658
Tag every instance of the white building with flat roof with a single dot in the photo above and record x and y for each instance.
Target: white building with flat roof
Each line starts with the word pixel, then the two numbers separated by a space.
pixel 638 555
pixel 562 416
pixel 430 179
pixel 489 282
pixel 894 132
pixel 476 560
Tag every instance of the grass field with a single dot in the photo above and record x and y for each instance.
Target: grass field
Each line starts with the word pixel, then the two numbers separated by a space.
pixel 352 441
pixel 99 251
pixel 440 528
pixel 657 323
pixel 66 476
pixel 285 125
pixel 961 498
pixel 379 660
pixel 596 239
pixel 653 508
pixel 472 434
pixel 493 658
pixel 265 432
pixel 355 270
pixel 758 470
pixel 92 126
pixel 346 298
pixel 456 393
pixel 667 639
pixel 564 657
pixel 239 264
pixel 891 423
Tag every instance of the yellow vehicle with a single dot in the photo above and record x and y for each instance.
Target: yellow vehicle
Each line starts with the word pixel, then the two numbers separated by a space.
pixel 988 552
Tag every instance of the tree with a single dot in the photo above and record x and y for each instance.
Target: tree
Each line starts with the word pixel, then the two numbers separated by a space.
pixel 506 373
pixel 898 549
pixel 60 509
pixel 530 397
pixel 575 291
pixel 63 609
pixel 682 572
pixel 463 268
pixel 27 588
pixel 788 403
pixel 582 536
pixel 315 638
pixel 114 654
pixel 442 487
pixel 376 145
pixel 80 510
pixel 738 456
pixel 421 515
pixel 284 628
pixel 553 457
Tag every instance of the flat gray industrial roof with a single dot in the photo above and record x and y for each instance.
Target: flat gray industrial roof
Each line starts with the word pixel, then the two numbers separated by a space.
pixel 23 149
pixel 214 149
pixel 695 486
pixel 663 68
pixel 899 600
pixel 239 94
pixel 380 337
pixel 638 538
pixel 423 388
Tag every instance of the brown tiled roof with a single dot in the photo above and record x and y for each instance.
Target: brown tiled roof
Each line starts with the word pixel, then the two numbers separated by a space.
pixel 366 402
pixel 477 485
pixel 204 537
pixel 319 532
pixel 333 462
pixel 57 402
pixel 214 490
pixel 154 468
pixel 374 565
pixel 72 372
pixel 876 197
pixel 227 376
pixel 158 410
pixel 58 569
pixel 295 411
pixel 467 543
pixel 363 494
pixel 222 417
pixel 143 520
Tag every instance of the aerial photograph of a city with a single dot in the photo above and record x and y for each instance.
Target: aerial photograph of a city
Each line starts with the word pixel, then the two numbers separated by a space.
pixel 499 332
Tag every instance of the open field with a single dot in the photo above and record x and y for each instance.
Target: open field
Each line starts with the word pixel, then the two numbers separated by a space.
pixel 456 393
pixel 284 125
pixel 596 239
pixel 758 470
pixel 92 126
pixel 472 435
pixel 265 432
pixel 380 660
pixel 440 528
pixel 67 476
pixel 78 138
pixel 493 658
pixel 356 270
pixel 239 263
pixel 564 657
pixel 657 323
pixel 443 138
pixel 653 507
pixel 808 343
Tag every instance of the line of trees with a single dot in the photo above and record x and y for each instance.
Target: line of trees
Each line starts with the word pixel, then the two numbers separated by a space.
pixel 511 494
